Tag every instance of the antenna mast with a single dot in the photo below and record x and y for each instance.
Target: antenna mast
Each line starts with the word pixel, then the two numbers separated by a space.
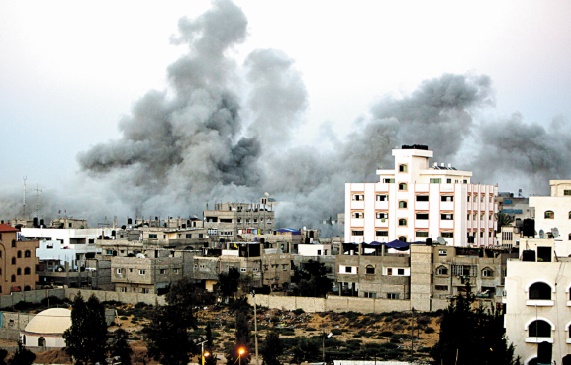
pixel 38 191
pixel 25 178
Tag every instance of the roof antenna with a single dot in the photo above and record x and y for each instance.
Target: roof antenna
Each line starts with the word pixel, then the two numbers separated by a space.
pixel 25 178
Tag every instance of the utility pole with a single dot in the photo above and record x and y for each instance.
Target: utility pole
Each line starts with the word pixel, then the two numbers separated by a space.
pixel 255 326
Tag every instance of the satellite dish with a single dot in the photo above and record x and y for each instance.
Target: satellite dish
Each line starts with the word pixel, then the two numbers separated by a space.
pixel 267 194
pixel 441 240
pixel 555 232
pixel 541 233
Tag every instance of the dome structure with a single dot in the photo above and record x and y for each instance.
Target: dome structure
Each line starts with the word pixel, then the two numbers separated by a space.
pixel 46 328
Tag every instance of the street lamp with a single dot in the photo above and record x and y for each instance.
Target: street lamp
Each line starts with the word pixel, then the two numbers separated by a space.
pixel 241 351
pixel 328 336
pixel 205 354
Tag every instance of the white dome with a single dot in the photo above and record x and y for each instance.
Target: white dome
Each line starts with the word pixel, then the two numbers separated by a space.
pixel 53 321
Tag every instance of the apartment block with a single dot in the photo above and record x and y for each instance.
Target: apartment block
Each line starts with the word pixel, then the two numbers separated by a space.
pixel 18 261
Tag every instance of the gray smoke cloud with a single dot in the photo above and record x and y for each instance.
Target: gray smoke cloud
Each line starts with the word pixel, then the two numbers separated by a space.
pixel 217 136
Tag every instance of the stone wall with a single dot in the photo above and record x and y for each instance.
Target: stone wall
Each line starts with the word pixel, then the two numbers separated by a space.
pixel 33 296
pixel 332 303
pixel 104 296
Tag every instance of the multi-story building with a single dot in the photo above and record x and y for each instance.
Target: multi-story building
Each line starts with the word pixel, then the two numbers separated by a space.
pixel 145 275
pixel 415 201
pixel 18 261
pixel 553 215
pixel 228 220
pixel 538 303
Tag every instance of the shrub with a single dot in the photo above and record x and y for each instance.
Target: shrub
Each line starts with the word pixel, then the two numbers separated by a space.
pixel 429 330
pixel 298 312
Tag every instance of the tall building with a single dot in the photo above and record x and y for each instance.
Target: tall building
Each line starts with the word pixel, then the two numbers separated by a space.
pixel 553 215
pixel 18 261
pixel 415 201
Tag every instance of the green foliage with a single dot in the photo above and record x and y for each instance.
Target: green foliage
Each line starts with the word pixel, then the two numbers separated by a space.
pixel 228 283
pixel 167 333
pixel 298 311
pixel 472 336
pixel 23 356
pixel 86 338
pixel 120 347
pixel 312 280
pixel 271 349
pixel 306 350
pixel 241 339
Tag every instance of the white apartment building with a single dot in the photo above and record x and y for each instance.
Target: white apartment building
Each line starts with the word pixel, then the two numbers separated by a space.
pixel 553 215
pixel 415 201
pixel 538 302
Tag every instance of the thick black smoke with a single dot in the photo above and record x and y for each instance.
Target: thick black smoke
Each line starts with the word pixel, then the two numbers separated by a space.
pixel 215 136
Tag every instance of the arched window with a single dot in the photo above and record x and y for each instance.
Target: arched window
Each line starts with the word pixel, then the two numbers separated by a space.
pixel 441 270
pixel 402 204
pixel 13 278
pixel 370 269
pixel 19 254
pixel 402 222
pixel 402 238
pixel 19 271
pixel 539 328
pixel 487 273
pixel 27 271
pixel 539 291
pixel 13 243
pixel 403 186
pixel 27 288
pixel 41 342
pixel 13 261
pixel 548 214
pixel 28 253
pixel 402 168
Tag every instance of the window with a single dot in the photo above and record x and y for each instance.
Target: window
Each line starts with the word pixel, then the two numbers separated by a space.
pixel 370 269
pixel 370 295
pixel 446 198
pixel 464 270
pixel 539 291
pixel 468 198
pixel 421 234
pixel 389 271
pixel 441 252
pixel 447 234
pixel 152 236
pixel 13 261
pixel 357 233
pixel 141 272
pixel 27 271
pixel 382 233
pixel 19 254
pixel 487 273
pixel 388 181
pixel 435 181
pixel 382 215
pixel 284 267
pixel 381 198
pixel 403 187
pixel 566 192
pixel 242 269
pixel 441 287
pixel 448 181
pixel 400 271
pixel 549 214
pixel 539 328
pixel 19 271
pixel 422 216
pixel 402 168
pixel 119 271
pixel 358 215
pixel 402 222
pixel 442 270
pixel 13 278
pixel 422 198
pixel 27 253
pixel 348 269
pixel 393 295
pixel 402 204
pixel 162 271
pixel 13 243
pixel 175 271
pixel 145 290
pixel 358 197
pixel 402 238
pixel 123 289
pixel 446 217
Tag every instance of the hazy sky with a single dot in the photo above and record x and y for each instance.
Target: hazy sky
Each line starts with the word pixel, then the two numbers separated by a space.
pixel 71 70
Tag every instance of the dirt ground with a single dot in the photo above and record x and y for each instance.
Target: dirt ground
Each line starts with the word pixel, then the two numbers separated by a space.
pixel 346 327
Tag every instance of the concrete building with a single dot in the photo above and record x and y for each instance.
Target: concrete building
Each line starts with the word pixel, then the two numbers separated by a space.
pixel 553 215
pixel 538 302
pixel 415 201
pixel 18 261
pixel 46 329
pixel 228 220
pixel 145 275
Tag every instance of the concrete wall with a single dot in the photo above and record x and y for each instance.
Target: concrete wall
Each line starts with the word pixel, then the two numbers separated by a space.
pixel 103 296
pixel 33 296
pixel 331 303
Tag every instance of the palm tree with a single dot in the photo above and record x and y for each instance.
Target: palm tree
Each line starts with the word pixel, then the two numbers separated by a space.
pixel 504 220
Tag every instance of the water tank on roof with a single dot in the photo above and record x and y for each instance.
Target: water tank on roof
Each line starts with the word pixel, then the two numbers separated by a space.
pixel 528 255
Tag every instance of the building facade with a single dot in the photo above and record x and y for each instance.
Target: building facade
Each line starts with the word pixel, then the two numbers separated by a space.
pixel 415 201
pixel 18 261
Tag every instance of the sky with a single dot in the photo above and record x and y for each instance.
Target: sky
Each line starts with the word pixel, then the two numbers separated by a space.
pixel 141 107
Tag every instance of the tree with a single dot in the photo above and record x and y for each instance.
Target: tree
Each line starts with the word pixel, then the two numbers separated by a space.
pixel 209 346
pixel 86 338
pixel 306 349
pixel 168 337
pixel 22 356
pixel 271 349
pixel 3 354
pixel 120 347
pixel 313 280
pixel 229 283
pixel 472 336
pixel 503 220
pixel 241 339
